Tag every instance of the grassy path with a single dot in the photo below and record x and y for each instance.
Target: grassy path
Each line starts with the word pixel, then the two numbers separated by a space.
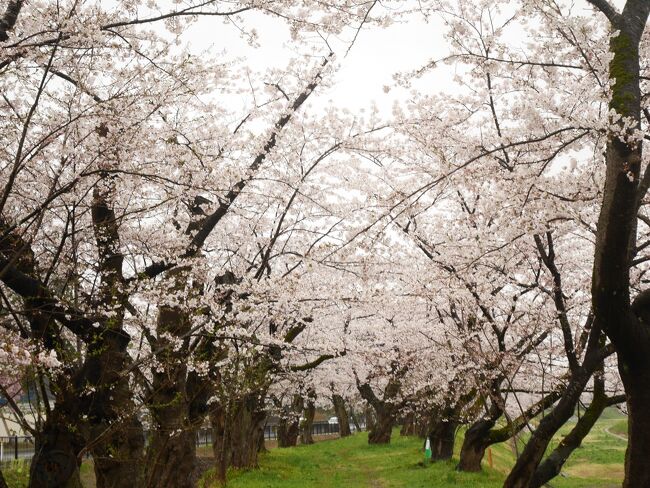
pixel 351 462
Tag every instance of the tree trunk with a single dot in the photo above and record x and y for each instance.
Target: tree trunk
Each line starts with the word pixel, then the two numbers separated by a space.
pixel 342 415
pixel 524 469
pixel 383 427
pixel 55 463
pixel 442 436
pixel 627 327
pixel 116 434
pixel 370 418
pixel 238 433
pixel 171 453
pixel 637 390
pixel 355 421
pixel 422 426
pixel 288 430
pixel 552 465
pixel 171 458
pixel 118 460
pixel 475 442
pixel 307 425
pixel 408 426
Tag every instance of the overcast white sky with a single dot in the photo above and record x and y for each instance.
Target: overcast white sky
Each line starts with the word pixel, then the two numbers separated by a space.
pixel 369 66
pixel 376 55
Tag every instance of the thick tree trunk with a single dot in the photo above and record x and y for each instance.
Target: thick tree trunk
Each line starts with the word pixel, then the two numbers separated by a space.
pixel 475 442
pixel 342 415
pixel 288 430
pixel 117 440
pixel 289 427
pixel 171 453
pixel 171 458
pixel 307 425
pixel 55 463
pixel 238 433
pixel 637 390
pixel 118 460
pixel 441 436
pixel 382 428
pixel 116 436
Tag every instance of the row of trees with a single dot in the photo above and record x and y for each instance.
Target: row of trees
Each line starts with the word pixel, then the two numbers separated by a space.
pixel 186 240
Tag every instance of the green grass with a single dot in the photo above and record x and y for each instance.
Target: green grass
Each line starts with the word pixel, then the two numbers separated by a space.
pixel 597 463
pixel 619 427
pixel 351 462
pixel 16 473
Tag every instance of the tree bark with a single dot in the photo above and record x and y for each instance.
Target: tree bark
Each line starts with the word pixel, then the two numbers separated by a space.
pixel 237 433
pixel 55 463
pixel 552 465
pixel 171 453
pixel 441 436
pixel 370 418
pixel 524 469
pixel 118 460
pixel 289 426
pixel 482 433
pixel 475 442
pixel 637 390
pixel 342 415
pixel 382 428
pixel 408 425
pixel 384 410
pixel 623 192
pixel 306 426
pixel 116 435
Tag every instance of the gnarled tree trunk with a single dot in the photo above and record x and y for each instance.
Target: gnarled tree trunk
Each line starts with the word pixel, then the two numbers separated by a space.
pixel 482 433
pixel 55 463
pixel 289 426
pixel 171 453
pixel 475 442
pixel 442 434
pixel 238 431
pixel 383 426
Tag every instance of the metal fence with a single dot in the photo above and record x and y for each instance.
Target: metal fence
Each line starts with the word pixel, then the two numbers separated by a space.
pixel 317 428
pixel 16 447
pixel 22 447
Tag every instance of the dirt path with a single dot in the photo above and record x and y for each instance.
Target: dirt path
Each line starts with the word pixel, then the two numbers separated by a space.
pixel 614 434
